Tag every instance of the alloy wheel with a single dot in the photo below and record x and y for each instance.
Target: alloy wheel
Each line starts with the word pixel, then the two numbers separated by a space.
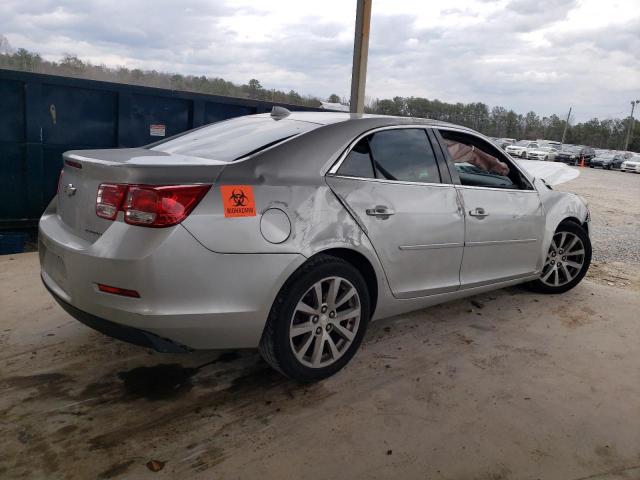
pixel 325 322
pixel 565 259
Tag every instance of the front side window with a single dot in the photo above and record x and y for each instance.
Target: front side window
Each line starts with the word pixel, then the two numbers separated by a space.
pixel 480 164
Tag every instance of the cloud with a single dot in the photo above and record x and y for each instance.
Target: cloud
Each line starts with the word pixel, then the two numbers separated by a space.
pixel 541 55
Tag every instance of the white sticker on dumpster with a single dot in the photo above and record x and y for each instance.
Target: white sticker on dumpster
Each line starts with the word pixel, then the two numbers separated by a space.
pixel 157 130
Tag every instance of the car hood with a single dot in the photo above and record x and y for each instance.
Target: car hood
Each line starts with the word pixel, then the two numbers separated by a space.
pixel 552 173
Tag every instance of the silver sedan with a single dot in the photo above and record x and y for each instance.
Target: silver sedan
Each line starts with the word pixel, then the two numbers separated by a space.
pixel 291 231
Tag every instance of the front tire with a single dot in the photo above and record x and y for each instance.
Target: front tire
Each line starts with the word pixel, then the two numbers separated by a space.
pixel 567 261
pixel 317 321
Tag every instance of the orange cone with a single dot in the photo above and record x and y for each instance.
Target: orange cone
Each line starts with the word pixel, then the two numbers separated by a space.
pixel 582 161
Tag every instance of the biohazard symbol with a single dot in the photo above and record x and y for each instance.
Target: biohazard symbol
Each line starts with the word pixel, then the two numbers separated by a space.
pixel 238 201
pixel 238 198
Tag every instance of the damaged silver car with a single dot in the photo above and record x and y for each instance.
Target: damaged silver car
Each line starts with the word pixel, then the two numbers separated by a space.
pixel 291 231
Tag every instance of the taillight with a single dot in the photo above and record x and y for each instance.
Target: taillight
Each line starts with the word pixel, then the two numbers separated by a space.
pixel 149 205
pixel 109 200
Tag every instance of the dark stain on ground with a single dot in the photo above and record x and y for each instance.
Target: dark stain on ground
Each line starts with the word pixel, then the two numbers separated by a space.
pixel 244 393
pixel 117 469
pixel 159 382
pixel 97 389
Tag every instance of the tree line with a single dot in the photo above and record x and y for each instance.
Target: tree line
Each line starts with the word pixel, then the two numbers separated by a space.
pixel 493 121
pixel 500 122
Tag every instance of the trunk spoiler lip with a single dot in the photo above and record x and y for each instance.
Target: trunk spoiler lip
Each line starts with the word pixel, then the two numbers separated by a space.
pixel 146 160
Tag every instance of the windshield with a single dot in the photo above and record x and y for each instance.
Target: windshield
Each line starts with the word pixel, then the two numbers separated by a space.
pixel 233 139
pixel 522 143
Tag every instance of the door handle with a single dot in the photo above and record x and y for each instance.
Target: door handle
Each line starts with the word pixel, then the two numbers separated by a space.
pixel 379 211
pixel 478 212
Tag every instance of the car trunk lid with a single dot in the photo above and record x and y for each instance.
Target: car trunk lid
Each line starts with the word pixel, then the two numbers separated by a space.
pixel 85 170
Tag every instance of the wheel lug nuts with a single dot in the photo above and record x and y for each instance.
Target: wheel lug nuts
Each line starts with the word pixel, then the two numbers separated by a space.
pixel 315 319
pixel 329 328
pixel 332 314
pixel 318 330
pixel 324 309
pixel 553 262
pixel 564 259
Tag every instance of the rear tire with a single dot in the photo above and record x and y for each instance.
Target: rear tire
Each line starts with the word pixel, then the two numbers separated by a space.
pixel 567 261
pixel 308 338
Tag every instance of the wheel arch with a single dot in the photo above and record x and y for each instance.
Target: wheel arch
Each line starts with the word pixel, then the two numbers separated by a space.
pixel 364 266
pixel 575 220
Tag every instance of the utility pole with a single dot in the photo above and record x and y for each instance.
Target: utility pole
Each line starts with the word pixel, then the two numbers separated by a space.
pixel 360 54
pixel 566 124
pixel 631 124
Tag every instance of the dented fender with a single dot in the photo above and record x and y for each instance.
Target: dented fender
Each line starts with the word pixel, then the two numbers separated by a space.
pixel 558 206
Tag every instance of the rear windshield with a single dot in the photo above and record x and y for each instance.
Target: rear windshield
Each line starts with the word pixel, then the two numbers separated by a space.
pixel 233 139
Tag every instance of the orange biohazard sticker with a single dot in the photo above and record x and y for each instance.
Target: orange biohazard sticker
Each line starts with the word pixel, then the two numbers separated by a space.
pixel 238 200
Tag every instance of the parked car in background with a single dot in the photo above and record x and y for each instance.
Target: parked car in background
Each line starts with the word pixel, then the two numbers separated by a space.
pixel 545 153
pixel 550 143
pixel 573 154
pixel 631 165
pixel 289 232
pixel 607 160
pixel 504 142
pixel 521 148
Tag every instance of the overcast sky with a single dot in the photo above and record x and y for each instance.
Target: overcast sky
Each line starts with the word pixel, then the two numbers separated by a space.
pixel 541 55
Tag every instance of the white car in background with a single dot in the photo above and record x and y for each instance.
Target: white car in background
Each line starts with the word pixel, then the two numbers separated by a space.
pixel 631 165
pixel 542 153
pixel 521 148
pixel 550 143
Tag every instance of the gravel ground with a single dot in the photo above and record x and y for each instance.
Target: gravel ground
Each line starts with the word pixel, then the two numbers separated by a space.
pixel 614 201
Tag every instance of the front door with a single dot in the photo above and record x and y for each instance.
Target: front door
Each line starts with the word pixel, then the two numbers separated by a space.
pixel 503 216
pixel 391 184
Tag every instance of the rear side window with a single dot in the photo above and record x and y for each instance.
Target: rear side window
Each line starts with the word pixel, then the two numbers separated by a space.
pixel 404 155
pixel 358 162
pixel 233 139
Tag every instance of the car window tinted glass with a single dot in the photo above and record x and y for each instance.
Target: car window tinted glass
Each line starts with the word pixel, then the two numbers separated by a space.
pixel 233 139
pixel 404 155
pixel 358 162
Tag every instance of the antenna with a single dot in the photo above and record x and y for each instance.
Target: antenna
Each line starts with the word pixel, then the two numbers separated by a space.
pixel 278 113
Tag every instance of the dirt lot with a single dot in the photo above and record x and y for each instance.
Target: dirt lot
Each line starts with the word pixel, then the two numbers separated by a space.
pixel 510 385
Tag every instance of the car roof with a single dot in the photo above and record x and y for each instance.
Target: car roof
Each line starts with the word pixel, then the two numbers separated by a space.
pixel 327 118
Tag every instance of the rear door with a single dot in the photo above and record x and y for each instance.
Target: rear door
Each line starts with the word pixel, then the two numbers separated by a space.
pixel 391 183
pixel 503 217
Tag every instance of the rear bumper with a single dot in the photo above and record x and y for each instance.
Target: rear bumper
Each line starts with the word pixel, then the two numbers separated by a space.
pixel 189 295
pixel 120 332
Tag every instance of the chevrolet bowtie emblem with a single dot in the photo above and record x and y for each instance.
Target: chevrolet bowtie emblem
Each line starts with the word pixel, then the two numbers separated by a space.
pixel 70 190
